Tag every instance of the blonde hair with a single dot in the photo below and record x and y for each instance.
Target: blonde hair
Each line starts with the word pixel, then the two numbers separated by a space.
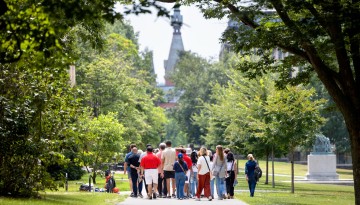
pixel 219 152
pixel 203 151
pixel 250 157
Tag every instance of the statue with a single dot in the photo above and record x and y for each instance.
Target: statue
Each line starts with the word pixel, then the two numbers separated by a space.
pixel 322 145
pixel 322 161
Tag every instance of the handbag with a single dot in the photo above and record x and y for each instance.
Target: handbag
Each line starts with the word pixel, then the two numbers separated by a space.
pixel 217 170
pixel 235 182
pixel 186 177
pixel 211 175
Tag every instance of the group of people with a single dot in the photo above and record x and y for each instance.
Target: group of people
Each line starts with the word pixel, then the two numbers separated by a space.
pixel 189 176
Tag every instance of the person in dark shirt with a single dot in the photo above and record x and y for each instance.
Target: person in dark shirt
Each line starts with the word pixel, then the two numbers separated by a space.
pixel 133 163
pixel 180 168
pixel 249 173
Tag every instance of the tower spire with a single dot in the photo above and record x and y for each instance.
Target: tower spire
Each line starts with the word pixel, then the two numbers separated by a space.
pixel 176 45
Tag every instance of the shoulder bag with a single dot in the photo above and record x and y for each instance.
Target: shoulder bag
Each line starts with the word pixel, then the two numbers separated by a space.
pixel 186 177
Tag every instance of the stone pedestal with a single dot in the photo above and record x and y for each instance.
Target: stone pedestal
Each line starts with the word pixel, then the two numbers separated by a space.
pixel 322 167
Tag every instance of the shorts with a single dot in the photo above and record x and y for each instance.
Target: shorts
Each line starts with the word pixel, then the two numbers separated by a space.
pixel 188 175
pixel 129 174
pixel 151 176
pixel 169 174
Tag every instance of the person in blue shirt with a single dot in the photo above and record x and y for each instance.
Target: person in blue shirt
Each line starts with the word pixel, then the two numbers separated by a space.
pixel 249 173
pixel 180 169
pixel 128 169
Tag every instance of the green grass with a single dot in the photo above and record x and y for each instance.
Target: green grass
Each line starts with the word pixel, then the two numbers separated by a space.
pixel 311 194
pixel 59 198
pixel 305 193
pixel 74 196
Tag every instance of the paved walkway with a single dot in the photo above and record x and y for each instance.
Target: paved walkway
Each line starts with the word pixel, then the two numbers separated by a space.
pixel 175 201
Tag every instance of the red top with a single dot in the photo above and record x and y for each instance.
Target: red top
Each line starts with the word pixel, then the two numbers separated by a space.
pixel 188 161
pixel 150 161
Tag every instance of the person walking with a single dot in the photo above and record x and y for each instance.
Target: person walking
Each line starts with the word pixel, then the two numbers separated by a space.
pixel 193 176
pixel 161 180
pixel 232 175
pixel 212 178
pixel 133 163
pixel 188 173
pixel 249 173
pixel 127 169
pixel 180 168
pixel 203 175
pixel 149 167
pixel 220 172
pixel 168 158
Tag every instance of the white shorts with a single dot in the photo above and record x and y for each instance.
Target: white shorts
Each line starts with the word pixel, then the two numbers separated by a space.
pixel 151 176
pixel 188 175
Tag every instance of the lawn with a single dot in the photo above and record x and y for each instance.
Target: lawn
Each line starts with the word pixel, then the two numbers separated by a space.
pixel 305 193
pixel 74 196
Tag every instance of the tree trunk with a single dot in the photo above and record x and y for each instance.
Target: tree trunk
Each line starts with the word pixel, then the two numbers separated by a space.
pixel 94 177
pixel 273 168
pixel 354 132
pixel 292 172
pixel 267 169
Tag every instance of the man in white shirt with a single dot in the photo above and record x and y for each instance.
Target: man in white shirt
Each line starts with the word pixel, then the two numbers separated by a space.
pixel 168 158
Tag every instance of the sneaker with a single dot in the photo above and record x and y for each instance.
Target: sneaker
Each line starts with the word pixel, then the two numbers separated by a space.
pixel 210 198
pixel 154 195
pixel 197 199
pixel 220 198
pixel 169 197
pixel 149 196
pixel 173 195
pixel 164 196
pixel 132 194
pixel 181 198
pixel 141 196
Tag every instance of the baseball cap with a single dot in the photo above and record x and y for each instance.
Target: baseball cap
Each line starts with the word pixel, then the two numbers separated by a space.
pixel 180 155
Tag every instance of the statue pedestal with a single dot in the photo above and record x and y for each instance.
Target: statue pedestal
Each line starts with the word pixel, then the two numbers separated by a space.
pixel 322 167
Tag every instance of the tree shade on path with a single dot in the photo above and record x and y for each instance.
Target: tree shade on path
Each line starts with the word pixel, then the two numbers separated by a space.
pixel 173 201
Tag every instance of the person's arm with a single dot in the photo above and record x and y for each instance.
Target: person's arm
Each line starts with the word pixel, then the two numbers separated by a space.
pixel 162 166
pixel 212 167
pixel 141 171
pixel 246 173
pixel 235 169
pixel 126 164
pixel 125 167
pixel 199 167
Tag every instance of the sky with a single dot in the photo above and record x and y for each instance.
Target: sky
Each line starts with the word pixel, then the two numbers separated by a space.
pixel 199 35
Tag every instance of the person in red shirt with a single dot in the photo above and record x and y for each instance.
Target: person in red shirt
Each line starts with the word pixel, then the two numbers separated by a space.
pixel 188 161
pixel 149 166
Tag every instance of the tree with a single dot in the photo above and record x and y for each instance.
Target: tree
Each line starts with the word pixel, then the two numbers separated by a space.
pixel 260 119
pixel 174 134
pixel 40 25
pixel 37 106
pixel 294 119
pixel 120 80
pixel 193 77
pixel 321 36
pixel 100 138
pixel 334 128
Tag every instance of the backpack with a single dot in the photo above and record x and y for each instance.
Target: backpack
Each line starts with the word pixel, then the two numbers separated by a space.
pixel 257 173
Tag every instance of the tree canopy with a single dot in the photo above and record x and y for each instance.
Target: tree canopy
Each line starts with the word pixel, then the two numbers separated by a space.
pixel 321 36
